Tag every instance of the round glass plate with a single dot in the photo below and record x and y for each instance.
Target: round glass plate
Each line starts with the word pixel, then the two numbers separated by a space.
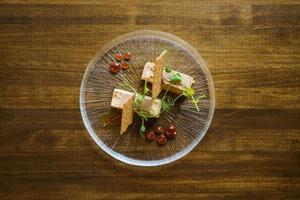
pixel 103 122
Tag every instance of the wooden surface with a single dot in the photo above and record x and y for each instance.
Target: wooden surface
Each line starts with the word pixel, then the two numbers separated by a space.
pixel 251 151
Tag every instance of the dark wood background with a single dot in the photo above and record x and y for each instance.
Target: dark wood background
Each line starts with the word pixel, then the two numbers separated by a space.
pixel 251 151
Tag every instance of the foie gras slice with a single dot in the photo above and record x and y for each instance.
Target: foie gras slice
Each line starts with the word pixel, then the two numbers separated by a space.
pixel 120 97
pixel 127 114
pixel 152 107
pixel 186 80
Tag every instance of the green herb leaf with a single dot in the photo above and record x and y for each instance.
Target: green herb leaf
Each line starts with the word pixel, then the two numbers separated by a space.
pixel 167 103
pixel 146 89
pixel 188 92
pixel 143 115
pixel 139 99
pixel 198 98
pixel 195 103
pixel 176 78
pixel 168 69
pixel 142 129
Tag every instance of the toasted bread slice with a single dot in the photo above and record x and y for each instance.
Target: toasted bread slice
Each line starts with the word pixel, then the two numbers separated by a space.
pixel 158 74
pixel 127 115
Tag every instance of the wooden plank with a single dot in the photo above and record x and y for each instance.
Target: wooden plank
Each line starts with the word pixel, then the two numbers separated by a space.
pixel 86 186
pixel 220 175
pixel 232 130
pixel 63 14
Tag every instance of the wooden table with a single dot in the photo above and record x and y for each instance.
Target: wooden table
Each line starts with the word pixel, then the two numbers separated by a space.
pixel 251 151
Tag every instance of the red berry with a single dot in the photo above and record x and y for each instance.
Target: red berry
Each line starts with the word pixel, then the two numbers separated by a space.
pixel 170 134
pixel 150 135
pixel 115 67
pixel 162 139
pixel 127 55
pixel 159 130
pixel 125 65
pixel 171 127
pixel 171 131
pixel 119 57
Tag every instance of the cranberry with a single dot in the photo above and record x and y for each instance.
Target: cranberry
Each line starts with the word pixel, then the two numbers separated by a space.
pixel 119 57
pixel 127 55
pixel 115 67
pixel 171 131
pixel 171 127
pixel 159 130
pixel 150 135
pixel 125 65
pixel 170 134
pixel 162 139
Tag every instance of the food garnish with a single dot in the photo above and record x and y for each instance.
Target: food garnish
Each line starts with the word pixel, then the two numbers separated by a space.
pixel 119 57
pixel 150 136
pixel 158 75
pixel 168 69
pixel 127 55
pixel 190 92
pixel 159 130
pixel 171 132
pixel 127 115
pixel 161 139
pixel 176 78
pixel 115 67
pixel 125 65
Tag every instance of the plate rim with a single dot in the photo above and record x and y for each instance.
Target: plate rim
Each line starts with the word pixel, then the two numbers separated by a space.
pixel 124 158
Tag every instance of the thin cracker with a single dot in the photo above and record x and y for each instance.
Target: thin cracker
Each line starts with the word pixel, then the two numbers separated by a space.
pixel 127 115
pixel 158 75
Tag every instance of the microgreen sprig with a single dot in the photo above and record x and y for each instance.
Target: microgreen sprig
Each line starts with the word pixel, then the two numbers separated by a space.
pixel 166 104
pixel 190 92
pixel 125 84
pixel 144 118
pixel 168 69
pixel 176 78
pixel 146 89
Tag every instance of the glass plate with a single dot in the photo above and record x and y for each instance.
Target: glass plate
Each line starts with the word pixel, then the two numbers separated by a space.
pixel 103 122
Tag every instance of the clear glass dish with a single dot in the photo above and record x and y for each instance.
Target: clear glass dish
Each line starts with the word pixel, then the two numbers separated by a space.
pixel 103 122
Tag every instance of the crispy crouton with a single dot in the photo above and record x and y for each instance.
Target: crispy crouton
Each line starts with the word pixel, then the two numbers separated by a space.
pixel 127 115
pixel 158 75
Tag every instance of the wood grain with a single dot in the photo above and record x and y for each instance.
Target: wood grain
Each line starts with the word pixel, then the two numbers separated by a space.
pixel 251 151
